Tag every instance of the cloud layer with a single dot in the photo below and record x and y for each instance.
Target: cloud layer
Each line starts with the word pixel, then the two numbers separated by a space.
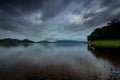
pixel 54 19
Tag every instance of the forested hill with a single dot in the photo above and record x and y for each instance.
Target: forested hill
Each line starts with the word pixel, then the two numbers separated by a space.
pixel 14 41
pixel 109 32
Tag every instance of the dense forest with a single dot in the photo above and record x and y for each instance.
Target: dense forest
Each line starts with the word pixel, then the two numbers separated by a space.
pixel 109 32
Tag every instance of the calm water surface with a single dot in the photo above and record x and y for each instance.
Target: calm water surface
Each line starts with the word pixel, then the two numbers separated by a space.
pixel 55 61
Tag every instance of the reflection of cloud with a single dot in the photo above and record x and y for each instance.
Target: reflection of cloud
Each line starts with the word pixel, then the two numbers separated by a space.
pixel 74 59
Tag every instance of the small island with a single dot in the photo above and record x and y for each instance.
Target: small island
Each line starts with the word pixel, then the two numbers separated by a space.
pixel 14 42
pixel 106 37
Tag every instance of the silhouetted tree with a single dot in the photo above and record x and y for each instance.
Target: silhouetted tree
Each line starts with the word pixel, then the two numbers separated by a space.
pixel 111 31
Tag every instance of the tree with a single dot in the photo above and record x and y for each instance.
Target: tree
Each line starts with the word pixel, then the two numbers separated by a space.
pixel 111 31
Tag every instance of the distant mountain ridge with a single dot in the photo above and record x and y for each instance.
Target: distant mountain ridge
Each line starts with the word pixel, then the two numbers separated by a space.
pixel 14 41
pixel 61 41
pixel 66 41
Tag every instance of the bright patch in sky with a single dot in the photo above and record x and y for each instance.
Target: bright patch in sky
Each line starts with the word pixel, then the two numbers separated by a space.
pixel 75 19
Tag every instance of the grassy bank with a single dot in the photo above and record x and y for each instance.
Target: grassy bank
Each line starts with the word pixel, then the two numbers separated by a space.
pixel 106 43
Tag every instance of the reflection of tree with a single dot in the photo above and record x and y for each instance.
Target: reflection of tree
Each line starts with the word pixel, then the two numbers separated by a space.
pixel 110 31
pixel 112 55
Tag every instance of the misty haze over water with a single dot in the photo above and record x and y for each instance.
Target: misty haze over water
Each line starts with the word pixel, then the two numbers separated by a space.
pixel 60 61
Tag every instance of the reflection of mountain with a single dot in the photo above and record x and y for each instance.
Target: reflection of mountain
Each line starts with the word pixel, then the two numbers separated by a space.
pixel 45 41
pixel 112 55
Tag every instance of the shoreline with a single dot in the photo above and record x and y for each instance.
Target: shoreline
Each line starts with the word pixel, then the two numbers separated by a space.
pixel 105 44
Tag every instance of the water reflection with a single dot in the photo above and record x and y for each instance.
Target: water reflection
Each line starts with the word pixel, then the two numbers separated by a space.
pixel 111 55
pixel 53 62
pixel 16 45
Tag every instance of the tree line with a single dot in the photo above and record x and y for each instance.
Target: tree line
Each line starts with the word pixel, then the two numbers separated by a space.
pixel 109 32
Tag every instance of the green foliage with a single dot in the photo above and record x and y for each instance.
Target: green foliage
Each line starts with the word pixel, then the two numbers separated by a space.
pixel 106 44
pixel 109 32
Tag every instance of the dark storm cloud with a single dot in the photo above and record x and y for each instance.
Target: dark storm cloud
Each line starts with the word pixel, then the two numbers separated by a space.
pixel 11 10
pixel 55 19
pixel 112 12
pixel 52 8
pixel 11 6
pixel 107 11
pixel 48 7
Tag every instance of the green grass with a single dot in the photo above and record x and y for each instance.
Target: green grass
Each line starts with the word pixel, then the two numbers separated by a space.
pixel 106 43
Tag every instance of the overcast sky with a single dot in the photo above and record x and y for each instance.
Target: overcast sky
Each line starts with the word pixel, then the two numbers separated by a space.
pixel 55 19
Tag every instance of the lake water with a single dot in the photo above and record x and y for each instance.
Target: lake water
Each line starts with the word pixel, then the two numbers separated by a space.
pixel 57 61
